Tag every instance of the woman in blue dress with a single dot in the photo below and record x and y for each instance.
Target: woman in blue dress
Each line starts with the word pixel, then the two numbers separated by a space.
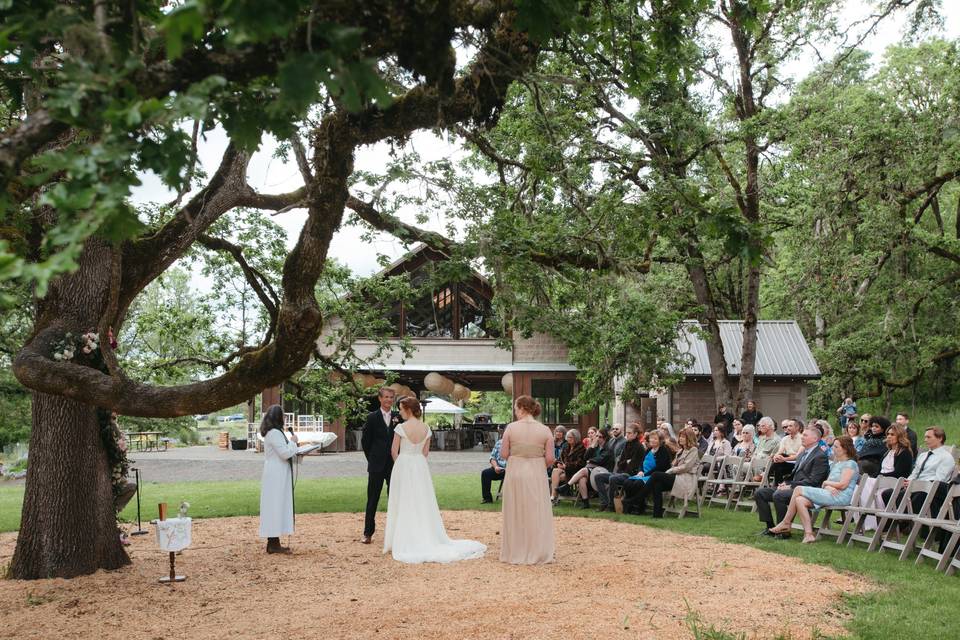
pixel 836 491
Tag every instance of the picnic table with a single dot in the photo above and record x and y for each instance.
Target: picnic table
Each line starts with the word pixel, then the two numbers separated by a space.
pixel 146 440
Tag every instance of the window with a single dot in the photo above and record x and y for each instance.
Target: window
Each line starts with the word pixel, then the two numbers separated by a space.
pixel 554 396
pixel 431 315
pixel 475 314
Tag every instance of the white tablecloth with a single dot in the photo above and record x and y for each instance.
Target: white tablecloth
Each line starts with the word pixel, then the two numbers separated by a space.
pixel 174 534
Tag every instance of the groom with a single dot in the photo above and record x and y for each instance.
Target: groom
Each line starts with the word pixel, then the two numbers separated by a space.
pixel 376 441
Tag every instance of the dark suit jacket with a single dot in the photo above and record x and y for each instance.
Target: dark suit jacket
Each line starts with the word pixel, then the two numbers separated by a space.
pixel 812 471
pixel 377 439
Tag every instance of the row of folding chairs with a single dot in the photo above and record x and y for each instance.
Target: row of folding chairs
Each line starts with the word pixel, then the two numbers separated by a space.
pixel 726 481
pixel 729 481
pixel 896 524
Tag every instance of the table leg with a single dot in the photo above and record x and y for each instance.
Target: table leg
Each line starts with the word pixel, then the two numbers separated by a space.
pixel 173 577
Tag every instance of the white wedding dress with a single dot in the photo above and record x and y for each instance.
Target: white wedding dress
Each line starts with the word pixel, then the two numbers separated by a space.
pixel 415 531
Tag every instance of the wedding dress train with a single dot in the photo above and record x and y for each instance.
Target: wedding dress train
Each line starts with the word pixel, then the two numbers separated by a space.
pixel 415 531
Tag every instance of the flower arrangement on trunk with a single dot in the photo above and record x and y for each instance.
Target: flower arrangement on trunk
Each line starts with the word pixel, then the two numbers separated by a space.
pixel 66 348
pixel 116 445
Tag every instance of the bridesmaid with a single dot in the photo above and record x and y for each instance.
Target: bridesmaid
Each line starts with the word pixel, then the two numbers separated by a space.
pixel 527 514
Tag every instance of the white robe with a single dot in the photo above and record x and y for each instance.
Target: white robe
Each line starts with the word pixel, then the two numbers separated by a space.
pixel 276 486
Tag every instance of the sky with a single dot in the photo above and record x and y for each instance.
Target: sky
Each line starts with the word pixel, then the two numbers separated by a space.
pixel 267 174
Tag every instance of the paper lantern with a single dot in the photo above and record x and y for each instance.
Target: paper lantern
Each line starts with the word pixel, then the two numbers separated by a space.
pixel 507 383
pixel 397 389
pixel 438 383
pixel 335 377
pixel 365 380
pixel 460 392
pixel 407 392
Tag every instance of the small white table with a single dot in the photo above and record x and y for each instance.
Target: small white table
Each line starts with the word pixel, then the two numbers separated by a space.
pixel 173 535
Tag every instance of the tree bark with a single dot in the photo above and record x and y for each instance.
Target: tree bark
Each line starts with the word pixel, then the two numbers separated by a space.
pixel 68 523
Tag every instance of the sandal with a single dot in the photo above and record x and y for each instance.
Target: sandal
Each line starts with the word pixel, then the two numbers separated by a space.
pixel 809 538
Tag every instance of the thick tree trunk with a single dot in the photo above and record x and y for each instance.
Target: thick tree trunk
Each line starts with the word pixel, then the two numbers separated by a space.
pixel 708 318
pixel 68 525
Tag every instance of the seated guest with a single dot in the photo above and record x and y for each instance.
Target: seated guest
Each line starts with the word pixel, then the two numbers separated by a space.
pixel 573 458
pixel 745 446
pixel 681 478
pixel 874 446
pixel 787 451
pixel 767 440
pixel 733 432
pixel 718 447
pixel 934 464
pixel 591 436
pixel 495 471
pixel 599 460
pixel 627 464
pixel 559 441
pixel 854 432
pixel 635 487
pixel 703 436
pixel 836 491
pixel 617 440
pixel 898 462
pixel 667 437
pixel 810 471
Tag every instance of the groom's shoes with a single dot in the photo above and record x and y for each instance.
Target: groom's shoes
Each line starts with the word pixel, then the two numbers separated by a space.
pixel 366 539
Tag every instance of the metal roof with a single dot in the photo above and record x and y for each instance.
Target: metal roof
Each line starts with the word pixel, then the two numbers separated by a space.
pixel 781 349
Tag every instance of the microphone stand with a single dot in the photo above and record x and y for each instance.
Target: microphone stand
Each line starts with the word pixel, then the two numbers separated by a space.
pixel 140 530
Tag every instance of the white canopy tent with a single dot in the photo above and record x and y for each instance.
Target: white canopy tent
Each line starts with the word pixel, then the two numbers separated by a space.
pixel 439 405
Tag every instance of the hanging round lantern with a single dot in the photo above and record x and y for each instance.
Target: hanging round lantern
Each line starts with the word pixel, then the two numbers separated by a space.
pixel 438 383
pixel 507 383
pixel 460 392
pixel 407 392
pixel 397 389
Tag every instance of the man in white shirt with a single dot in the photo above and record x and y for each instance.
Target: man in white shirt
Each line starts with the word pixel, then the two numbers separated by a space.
pixel 936 463
pixel 786 455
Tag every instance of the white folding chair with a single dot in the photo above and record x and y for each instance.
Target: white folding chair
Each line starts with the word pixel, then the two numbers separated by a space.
pixel 888 526
pixel 871 505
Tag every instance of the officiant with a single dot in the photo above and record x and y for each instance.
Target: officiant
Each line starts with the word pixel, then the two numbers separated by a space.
pixel 276 485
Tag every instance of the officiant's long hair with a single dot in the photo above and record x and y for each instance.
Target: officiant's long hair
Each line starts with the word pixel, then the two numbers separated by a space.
pixel 272 419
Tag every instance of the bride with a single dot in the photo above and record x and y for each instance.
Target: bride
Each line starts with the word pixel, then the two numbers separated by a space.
pixel 415 531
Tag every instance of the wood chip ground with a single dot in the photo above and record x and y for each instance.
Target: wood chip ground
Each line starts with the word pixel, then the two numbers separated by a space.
pixel 611 580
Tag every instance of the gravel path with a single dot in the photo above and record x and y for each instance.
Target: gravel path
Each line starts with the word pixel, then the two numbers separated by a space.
pixel 210 463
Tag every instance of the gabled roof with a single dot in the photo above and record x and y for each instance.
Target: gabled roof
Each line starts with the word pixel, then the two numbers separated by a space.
pixel 782 350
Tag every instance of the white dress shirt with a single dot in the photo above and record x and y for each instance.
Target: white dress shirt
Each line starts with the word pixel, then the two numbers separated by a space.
pixel 937 464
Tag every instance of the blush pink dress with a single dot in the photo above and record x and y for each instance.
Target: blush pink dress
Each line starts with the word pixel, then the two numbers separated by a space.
pixel 527 532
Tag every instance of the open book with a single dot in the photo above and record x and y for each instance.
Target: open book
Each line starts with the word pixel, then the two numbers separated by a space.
pixel 307 448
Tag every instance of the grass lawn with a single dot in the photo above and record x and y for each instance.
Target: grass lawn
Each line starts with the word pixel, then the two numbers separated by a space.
pixel 916 603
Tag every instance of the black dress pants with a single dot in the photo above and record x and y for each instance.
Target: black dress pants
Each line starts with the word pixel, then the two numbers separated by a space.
pixel 375 482
pixel 487 478
pixel 660 481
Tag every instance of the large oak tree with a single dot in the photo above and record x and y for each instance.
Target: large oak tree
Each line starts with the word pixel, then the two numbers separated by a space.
pixel 96 92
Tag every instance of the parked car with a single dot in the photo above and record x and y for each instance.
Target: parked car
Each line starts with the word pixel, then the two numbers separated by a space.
pixel 236 417
pixel 201 416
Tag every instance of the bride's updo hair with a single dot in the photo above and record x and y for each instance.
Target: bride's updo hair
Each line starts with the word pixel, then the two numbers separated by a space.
pixel 528 404
pixel 412 405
